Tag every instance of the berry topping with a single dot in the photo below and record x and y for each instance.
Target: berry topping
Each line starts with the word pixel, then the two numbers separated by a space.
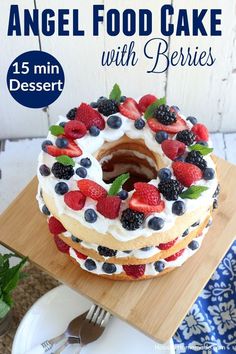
pixel 196 158
pixel 109 268
pixel 178 208
pixel 109 206
pixel 192 120
pixel 123 98
pixel 75 239
pixel 94 131
pixel 186 136
pixel 108 107
pixel 72 150
pixel 90 216
pixel 201 132
pixel 186 173
pixel 75 129
pixel 61 188
pixel 165 115
pixel 62 124
pixel 174 128
pixel 123 194
pixel 173 148
pixel 156 223
pixel 209 174
pixel 55 226
pixel 44 170
pixel 197 223
pixel 136 203
pixel 85 162
pixel 185 233
pixel 139 124
pixel 45 210
pixel 106 252
pixel 193 245
pixel 159 266
pixel 75 200
pixel 147 193
pixel 217 192
pixel 91 189
pixel 175 108
pixel 61 245
pixel 81 172
pixel 167 245
pixel 130 109
pixel 161 136
pixel 134 271
pixel 146 101
pixel 62 171
pixel 215 204
pixel 164 174
pixel 71 114
pixel 45 145
pixel 89 116
pixel 80 255
pixel 61 143
pixel 90 264
pixel 131 220
pixel 170 189
pixel 94 104
pixel 203 143
pixel 174 256
pixel 114 122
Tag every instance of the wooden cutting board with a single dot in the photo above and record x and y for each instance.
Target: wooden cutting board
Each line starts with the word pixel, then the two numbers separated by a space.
pixel 155 307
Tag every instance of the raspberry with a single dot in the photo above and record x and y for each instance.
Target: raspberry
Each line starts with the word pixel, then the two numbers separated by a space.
pixel 186 173
pixel 75 200
pixel 91 189
pixel 55 226
pixel 173 148
pixel 201 132
pixel 107 107
pixel 165 115
pixel 166 246
pixel 147 193
pixel 134 271
pixel 80 255
pixel 146 101
pixel 174 256
pixel 61 245
pixel 89 116
pixel 109 206
pixel 75 129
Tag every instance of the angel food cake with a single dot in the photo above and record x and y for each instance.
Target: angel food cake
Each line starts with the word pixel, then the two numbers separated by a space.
pixel 128 187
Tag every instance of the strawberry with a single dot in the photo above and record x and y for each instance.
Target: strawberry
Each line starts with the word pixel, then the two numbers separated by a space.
pixel 201 132
pixel 130 109
pixel 109 206
pixel 75 200
pixel 174 256
pixel 134 271
pixel 173 148
pixel 75 129
pixel 91 189
pixel 137 204
pixel 166 246
pixel 89 116
pixel 186 173
pixel 147 193
pixel 55 226
pixel 61 245
pixel 72 150
pixel 80 255
pixel 174 128
pixel 146 101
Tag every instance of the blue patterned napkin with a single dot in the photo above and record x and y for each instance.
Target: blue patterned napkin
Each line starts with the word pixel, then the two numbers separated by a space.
pixel 210 325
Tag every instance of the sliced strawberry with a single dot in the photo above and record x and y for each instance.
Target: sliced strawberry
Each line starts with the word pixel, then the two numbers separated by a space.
pixel 55 226
pixel 109 206
pixel 174 128
pixel 75 200
pixel 130 109
pixel 137 204
pixel 80 255
pixel 75 129
pixel 91 189
pixel 201 132
pixel 167 245
pixel 61 245
pixel 173 148
pixel 89 116
pixel 186 173
pixel 72 150
pixel 146 101
pixel 174 256
pixel 147 193
pixel 134 271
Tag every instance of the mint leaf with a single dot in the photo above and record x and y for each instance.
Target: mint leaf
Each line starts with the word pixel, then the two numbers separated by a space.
pixel 4 308
pixel 11 277
pixel 56 130
pixel 204 150
pixel 65 160
pixel 150 110
pixel 118 183
pixel 115 93
pixel 193 192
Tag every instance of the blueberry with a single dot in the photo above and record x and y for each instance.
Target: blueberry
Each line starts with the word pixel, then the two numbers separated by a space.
pixel 90 264
pixel 161 136
pixel 109 268
pixel 75 239
pixel 90 216
pixel 44 170
pixel 164 174
pixel 61 143
pixel 197 223
pixel 45 143
pixel 81 172
pixel 156 223
pixel 122 99
pixel 193 245
pixel 123 194
pixel 209 174
pixel 94 104
pixel 176 108
pixel 61 188
pixel 147 248
pixel 159 266
pixel 114 122
pixel 45 210
pixel 186 232
pixel 204 143
pixel 139 124
pixel 62 124
pixel 180 158
pixel 85 162
pixel 94 131
pixel 178 208
pixel 127 251
pixel 192 120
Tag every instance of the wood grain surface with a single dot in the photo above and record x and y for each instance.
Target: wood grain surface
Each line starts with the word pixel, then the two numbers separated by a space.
pixel 156 307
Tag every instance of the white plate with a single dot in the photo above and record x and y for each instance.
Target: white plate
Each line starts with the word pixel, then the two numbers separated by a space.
pixel 50 315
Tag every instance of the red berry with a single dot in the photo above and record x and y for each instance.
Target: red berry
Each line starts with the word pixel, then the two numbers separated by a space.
pixel 72 150
pixel 134 271
pixel 146 101
pixel 174 256
pixel 167 245
pixel 91 189
pixel 55 226
pixel 173 148
pixel 137 204
pixel 75 129
pixel 201 132
pixel 89 116
pixel 109 206
pixel 186 173
pixel 75 200
pixel 147 193
pixel 130 109
pixel 61 245
pixel 174 128
pixel 80 255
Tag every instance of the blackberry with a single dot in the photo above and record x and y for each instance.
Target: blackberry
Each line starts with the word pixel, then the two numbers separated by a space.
pixel 164 115
pixel 71 114
pixel 196 159
pixel 61 171
pixel 131 220
pixel 171 189
pixel 107 107
pixel 186 136
pixel 106 252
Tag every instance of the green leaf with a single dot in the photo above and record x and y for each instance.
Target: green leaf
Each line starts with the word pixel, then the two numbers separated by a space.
pixel 4 308
pixel 193 192
pixel 56 130
pixel 204 150
pixel 115 93
pixel 118 183
pixel 11 277
pixel 65 160
pixel 150 110
pixel 7 298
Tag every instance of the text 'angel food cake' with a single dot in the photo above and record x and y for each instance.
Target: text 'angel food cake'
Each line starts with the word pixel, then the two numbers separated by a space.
pixel 128 187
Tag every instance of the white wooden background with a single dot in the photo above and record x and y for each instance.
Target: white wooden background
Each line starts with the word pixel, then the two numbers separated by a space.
pixel 208 93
